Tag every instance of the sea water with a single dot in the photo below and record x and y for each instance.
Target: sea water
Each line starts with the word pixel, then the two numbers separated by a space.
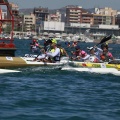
pixel 47 93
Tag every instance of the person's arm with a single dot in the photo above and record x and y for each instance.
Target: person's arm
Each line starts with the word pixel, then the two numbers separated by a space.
pixel 65 52
pixel 86 57
pixel 57 51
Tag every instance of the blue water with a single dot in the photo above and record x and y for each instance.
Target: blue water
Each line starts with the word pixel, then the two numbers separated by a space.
pixel 44 93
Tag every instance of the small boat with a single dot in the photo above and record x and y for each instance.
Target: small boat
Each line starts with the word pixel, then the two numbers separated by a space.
pixel 13 62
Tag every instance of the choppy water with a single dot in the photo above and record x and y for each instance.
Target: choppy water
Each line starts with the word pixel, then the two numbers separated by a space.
pixel 44 93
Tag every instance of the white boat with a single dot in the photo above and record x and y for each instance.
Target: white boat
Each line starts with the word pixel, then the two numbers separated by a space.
pixel 94 70
pixel 7 71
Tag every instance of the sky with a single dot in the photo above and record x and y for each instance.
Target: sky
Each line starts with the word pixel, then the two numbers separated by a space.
pixel 53 4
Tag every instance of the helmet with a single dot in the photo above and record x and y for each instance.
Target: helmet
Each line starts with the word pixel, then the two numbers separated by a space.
pixel 54 41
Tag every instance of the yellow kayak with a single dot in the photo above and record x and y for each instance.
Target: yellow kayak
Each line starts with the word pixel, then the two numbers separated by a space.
pixel 94 65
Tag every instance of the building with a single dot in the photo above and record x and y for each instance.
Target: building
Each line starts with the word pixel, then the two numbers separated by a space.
pixel 105 16
pixel 55 17
pixel 77 14
pixel 29 23
pixel 15 11
pixel 117 20
pixel 73 14
pixel 41 15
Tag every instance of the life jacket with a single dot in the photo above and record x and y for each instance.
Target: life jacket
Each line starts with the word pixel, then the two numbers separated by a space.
pixel 105 56
pixel 57 57
pixel 93 59
pixel 61 52
pixel 52 50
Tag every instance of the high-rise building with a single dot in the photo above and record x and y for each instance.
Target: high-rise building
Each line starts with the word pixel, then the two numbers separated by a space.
pixel 76 14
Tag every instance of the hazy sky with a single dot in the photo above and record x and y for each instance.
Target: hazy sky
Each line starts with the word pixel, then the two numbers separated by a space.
pixel 115 4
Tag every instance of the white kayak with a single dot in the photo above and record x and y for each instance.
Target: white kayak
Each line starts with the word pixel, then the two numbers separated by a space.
pixel 7 71
pixel 94 70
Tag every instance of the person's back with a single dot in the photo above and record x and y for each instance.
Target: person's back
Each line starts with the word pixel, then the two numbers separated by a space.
pixel 62 51
pixel 55 55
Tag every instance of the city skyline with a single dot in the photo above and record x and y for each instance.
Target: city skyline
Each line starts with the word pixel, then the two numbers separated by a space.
pixel 54 4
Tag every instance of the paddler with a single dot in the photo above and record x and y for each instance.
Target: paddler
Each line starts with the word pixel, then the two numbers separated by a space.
pixel 54 55
pixel 62 51
pixel 75 43
pixel 80 54
pixel 106 56
pixel 94 56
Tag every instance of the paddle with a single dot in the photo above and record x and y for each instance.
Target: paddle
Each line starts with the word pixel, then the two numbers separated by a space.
pixel 106 38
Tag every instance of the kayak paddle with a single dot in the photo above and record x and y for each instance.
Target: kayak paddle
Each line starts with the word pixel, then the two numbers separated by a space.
pixel 106 38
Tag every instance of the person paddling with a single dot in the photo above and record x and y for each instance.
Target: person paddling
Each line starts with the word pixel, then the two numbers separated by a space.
pixel 80 54
pixel 62 51
pixel 54 55
pixel 94 56
pixel 106 56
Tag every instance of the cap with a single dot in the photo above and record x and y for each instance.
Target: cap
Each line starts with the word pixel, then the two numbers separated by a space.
pixel 90 48
pixel 77 47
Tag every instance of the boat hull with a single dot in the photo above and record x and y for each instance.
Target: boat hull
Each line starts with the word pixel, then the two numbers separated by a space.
pixel 94 65
pixel 12 62
pixel 113 71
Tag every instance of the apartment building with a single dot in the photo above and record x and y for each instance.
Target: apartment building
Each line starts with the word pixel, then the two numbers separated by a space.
pixel 29 23
pixel 73 14
pixel 55 17
pixel 86 18
pixel 41 13
pixel 78 15
pixel 105 16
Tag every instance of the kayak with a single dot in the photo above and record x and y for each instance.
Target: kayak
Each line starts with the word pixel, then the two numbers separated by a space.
pixel 94 70
pixel 11 62
pixel 103 68
pixel 7 71
pixel 95 65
